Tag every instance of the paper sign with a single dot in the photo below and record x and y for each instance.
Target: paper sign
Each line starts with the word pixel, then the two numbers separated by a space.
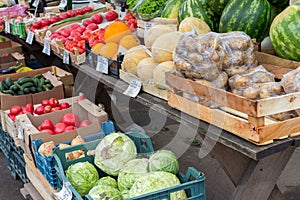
pixel 7 27
pixel 133 88
pixel 30 37
pixel 47 48
pixel 65 193
pixel 35 3
pixel 66 58
pixel 102 64
pixel 20 132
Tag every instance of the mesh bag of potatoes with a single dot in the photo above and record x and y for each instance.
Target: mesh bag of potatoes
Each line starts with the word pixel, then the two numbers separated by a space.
pixel 205 56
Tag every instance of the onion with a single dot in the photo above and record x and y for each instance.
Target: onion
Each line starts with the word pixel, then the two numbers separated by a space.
pixel 46 148
pixel 77 140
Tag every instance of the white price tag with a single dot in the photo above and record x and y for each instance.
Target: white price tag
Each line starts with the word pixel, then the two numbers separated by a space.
pixel 30 37
pixel 102 64
pixel 133 88
pixel 47 48
pixel 20 132
pixel 66 58
pixel 147 26
pixel 65 193
pixel 35 3
pixel 7 27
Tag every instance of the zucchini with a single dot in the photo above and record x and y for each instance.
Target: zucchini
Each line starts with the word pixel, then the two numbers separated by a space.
pixel 26 85
pixel 35 81
pixel 41 82
pixel 8 81
pixel 24 80
pixel 26 91
pixel 32 90
pixel 38 76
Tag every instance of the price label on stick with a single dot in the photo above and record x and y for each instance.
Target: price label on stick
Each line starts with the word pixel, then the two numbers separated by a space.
pixel 66 58
pixel 47 48
pixel 133 88
pixel 30 37
pixel 65 193
pixel 102 65
pixel 35 3
pixel 7 27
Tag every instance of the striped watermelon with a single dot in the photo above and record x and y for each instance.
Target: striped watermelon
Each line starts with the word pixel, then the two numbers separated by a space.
pixel 217 6
pixel 171 9
pixel 250 16
pixel 285 33
pixel 199 9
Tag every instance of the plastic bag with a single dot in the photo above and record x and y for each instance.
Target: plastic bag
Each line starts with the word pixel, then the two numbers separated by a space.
pixel 291 81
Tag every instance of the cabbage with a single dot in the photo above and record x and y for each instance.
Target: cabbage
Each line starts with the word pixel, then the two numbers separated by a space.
pixel 103 193
pixel 113 152
pixel 154 181
pixel 107 181
pixel 130 172
pixel 163 160
pixel 82 176
pixel 125 194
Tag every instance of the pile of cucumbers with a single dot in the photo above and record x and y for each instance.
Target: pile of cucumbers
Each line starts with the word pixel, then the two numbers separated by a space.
pixel 25 85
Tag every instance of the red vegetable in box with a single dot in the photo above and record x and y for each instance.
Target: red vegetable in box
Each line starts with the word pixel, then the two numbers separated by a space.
pixel 47 109
pixel 59 128
pixel 53 102
pixel 64 105
pixel 70 128
pixel 70 119
pixel 84 123
pixel 47 124
pixel 15 110
pixel 55 109
pixel 12 117
pixel 111 15
pixel 51 132
pixel 39 110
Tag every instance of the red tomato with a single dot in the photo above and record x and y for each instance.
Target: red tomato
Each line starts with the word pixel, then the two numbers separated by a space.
pixel 47 124
pixel 70 119
pixel 45 102
pixel 64 105
pixel 69 128
pixel 55 109
pixel 59 128
pixel 30 107
pixel 53 102
pixel 15 110
pixel 12 117
pixel 111 15
pixel 47 109
pixel 51 132
pixel 39 110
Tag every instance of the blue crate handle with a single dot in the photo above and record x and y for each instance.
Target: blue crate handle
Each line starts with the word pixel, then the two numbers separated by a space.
pixel 142 141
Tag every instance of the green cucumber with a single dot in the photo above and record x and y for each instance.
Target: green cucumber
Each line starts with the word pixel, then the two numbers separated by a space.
pixel 20 92
pixel 35 81
pixel 8 81
pixel 4 85
pixel 47 81
pixel 38 76
pixel 39 89
pixel 14 88
pixel 8 92
pixel 41 82
pixel 24 80
pixel 32 90
pixel 26 91
pixel 26 85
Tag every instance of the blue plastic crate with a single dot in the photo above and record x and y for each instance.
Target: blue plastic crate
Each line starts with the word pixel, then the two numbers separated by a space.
pixel 45 164
pixel 142 142
pixel 18 167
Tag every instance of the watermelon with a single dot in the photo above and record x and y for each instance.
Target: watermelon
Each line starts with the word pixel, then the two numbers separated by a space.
pixel 285 33
pixel 199 9
pixel 171 9
pixel 217 6
pixel 250 16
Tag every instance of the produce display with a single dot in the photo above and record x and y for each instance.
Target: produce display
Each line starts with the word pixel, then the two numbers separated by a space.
pixel 25 85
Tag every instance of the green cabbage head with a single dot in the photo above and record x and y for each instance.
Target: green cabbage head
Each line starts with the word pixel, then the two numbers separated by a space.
pixel 130 172
pixel 82 176
pixel 113 152
pixel 154 181
pixel 107 181
pixel 105 193
pixel 163 160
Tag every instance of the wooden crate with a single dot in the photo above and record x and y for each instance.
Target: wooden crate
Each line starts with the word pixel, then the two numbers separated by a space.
pixel 241 116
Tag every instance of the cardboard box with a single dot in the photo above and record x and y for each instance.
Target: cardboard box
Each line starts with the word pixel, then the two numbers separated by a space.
pixel 10 47
pixel 13 59
pixel 85 109
pixel 7 100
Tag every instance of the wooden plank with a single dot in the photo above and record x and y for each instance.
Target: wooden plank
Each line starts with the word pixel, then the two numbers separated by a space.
pixel 151 89
pixel 32 192
pixel 275 60
pixel 276 194
pixel 278 71
pixel 261 176
pixel 233 124
pixel 219 96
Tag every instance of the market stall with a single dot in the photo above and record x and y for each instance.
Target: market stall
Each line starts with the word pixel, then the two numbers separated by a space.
pixel 183 63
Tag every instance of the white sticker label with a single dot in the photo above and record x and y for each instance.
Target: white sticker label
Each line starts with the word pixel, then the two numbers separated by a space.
pixel 65 193
pixel 147 26
pixel 133 88
pixel 36 3
pixel 20 132
pixel 30 37
pixel 7 27
pixel 47 48
pixel 102 64
pixel 80 58
pixel 66 58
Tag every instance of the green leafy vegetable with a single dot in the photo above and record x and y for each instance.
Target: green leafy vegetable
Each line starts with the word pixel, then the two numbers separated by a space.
pixel 113 152
pixel 82 176
pixel 150 7
pixel 107 181
pixel 102 193
pixel 163 160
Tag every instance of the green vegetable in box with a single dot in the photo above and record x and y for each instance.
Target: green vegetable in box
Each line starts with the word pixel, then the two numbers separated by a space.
pixel 149 9
pixel 82 176
pixel 25 85
pixel 199 9
pixel 163 160
pixel 100 193
pixel 131 3
pixel 285 33
pixel 107 181
pixel 155 181
pixel 250 16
